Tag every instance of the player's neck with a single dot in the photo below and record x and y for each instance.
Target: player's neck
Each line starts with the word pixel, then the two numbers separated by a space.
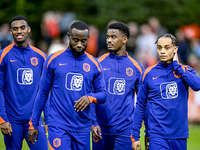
pixel 121 52
pixel 24 44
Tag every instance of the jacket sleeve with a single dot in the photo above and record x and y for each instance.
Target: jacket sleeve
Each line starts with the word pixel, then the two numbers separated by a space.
pixel 46 111
pixel 99 94
pixel 188 75
pixel 93 114
pixel 3 116
pixel 140 109
pixel 42 95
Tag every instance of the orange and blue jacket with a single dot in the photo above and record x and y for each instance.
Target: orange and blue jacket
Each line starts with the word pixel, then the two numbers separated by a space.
pixel 20 71
pixel 121 74
pixel 69 77
pixel 165 88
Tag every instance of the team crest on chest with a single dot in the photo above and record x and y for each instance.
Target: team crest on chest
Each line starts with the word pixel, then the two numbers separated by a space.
pixel 56 142
pixel 129 71
pixel 34 61
pixel 86 67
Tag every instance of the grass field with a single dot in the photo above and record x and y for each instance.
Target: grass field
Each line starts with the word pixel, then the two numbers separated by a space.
pixel 193 141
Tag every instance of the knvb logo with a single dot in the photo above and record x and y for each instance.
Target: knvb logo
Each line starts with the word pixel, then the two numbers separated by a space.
pixel 86 67
pixel 129 71
pixel 116 86
pixel 25 76
pixel 74 81
pixel 34 61
pixel 56 142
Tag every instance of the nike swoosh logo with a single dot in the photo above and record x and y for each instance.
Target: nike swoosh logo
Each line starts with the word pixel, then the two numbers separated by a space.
pixel 60 64
pixel 155 77
pixel 106 68
pixel 11 60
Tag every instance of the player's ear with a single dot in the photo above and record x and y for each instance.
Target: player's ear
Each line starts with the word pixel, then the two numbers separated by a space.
pixel 29 29
pixel 68 35
pixel 175 49
pixel 125 39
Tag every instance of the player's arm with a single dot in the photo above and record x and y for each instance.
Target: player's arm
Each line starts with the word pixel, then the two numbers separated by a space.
pixel 146 138
pixel 41 98
pixel 4 122
pixel 188 75
pixel 99 95
pixel 96 130
pixel 46 114
pixel 139 113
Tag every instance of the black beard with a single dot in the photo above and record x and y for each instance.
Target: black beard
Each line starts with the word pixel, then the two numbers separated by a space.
pixel 75 52
pixel 113 51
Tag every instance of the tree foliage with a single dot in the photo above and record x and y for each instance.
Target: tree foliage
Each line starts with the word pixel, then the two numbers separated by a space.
pixel 171 14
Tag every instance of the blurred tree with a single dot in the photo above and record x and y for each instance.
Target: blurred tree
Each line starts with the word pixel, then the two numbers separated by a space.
pixel 171 14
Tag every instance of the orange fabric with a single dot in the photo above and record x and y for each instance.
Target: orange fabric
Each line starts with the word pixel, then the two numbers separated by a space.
pixel 50 147
pixel 92 99
pixel 31 125
pixel 6 50
pixel 93 60
pixel 95 140
pixel 1 120
pixel 92 127
pixel 132 139
pixel 147 70
pixel 38 51
pixel 55 55
pixel 103 57
pixel 136 64
pixel 183 68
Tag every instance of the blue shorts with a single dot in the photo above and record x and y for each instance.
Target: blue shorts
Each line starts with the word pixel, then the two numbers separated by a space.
pixel 20 132
pixel 60 139
pixel 167 144
pixel 110 142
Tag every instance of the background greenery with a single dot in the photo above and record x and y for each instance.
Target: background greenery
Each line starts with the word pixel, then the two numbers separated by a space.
pixel 171 14
pixel 193 141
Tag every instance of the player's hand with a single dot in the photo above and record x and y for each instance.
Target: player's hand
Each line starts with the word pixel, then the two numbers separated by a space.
pixel 82 103
pixel 136 145
pixel 31 133
pixel 6 128
pixel 146 140
pixel 46 130
pixel 96 132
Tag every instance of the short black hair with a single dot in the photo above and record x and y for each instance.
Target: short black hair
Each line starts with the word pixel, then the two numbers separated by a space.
pixel 79 25
pixel 19 18
pixel 121 27
pixel 174 40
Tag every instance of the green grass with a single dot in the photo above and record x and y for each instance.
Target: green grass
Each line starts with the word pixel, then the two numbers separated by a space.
pixel 193 141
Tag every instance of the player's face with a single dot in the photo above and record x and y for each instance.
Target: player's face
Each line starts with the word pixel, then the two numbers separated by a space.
pixel 166 49
pixel 20 30
pixel 114 39
pixel 78 41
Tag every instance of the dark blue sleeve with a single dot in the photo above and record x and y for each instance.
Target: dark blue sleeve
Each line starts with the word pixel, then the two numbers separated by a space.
pixel 93 114
pixel 146 120
pixel 3 116
pixel 138 78
pixel 140 109
pixel 99 88
pixel 188 75
pixel 42 95
pixel 46 111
